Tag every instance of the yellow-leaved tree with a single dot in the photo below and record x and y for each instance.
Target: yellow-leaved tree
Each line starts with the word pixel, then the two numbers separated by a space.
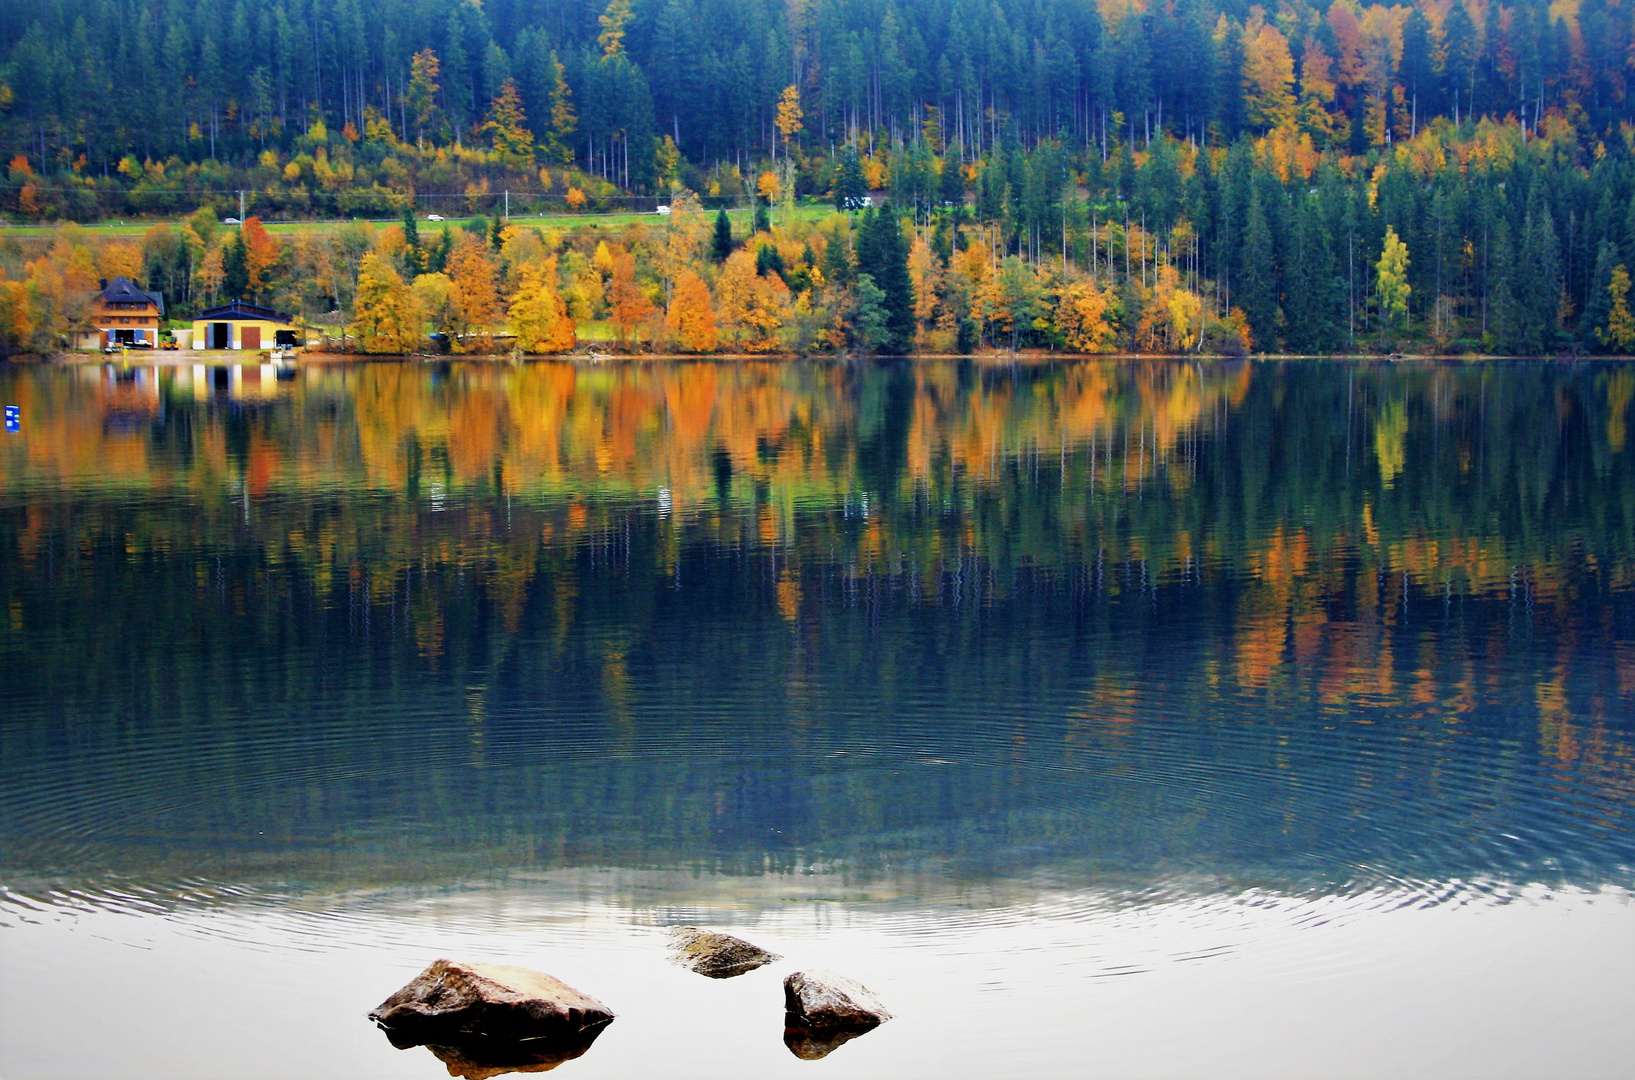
pixel 691 319
pixel 1084 317
pixel 1268 75
pixel 539 317
pixel 16 315
pixel 752 308
pixel 386 317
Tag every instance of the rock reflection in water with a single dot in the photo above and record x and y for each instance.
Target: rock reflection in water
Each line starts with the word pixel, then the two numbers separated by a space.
pixel 812 1043
pixel 482 1058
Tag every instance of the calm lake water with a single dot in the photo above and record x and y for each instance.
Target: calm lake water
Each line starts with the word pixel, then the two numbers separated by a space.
pixel 1123 718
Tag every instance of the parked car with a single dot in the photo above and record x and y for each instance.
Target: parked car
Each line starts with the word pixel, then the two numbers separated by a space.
pixel 664 210
pixel 434 217
pixel 231 221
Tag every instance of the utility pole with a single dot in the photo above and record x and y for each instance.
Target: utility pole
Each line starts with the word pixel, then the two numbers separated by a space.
pixel 507 204
pixel 241 205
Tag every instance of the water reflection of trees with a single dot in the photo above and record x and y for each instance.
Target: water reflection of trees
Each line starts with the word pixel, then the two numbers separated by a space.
pixel 1326 540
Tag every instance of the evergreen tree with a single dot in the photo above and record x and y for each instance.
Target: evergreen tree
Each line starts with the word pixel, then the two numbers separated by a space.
pixel 235 271
pixel 1256 293
pixel 437 257
pixel 721 242
pixel 1538 276
pixel 882 254
pixel 850 187
pixel 951 186
pixel 1599 305
pixel 768 261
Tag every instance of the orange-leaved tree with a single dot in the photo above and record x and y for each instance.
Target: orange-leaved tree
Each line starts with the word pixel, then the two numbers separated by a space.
pixel 629 306
pixel 476 278
pixel 691 319
pixel 261 254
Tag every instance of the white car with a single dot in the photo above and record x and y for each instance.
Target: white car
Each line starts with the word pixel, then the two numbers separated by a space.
pixel 231 221
pixel 662 210
pixel 434 217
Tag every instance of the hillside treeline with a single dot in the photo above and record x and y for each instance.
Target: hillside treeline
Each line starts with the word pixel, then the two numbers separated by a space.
pixel 602 82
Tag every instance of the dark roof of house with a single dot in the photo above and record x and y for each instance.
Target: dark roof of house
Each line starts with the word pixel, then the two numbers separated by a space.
pixel 122 290
pixel 240 309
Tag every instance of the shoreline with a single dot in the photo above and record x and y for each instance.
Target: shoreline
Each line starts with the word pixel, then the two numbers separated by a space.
pixel 214 358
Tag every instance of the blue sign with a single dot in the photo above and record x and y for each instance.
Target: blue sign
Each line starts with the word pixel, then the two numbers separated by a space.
pixel 14 418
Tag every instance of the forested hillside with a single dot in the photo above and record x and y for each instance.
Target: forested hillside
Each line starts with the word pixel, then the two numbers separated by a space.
pixel 1454 174
pixel 227 79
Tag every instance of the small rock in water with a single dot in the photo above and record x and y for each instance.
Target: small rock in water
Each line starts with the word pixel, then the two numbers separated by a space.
pixel 823 1010
pixel 719 956
pixel 453 1004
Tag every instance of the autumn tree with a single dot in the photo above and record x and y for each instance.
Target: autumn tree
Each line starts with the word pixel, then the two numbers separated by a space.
pixel 539 318
pixel 386 316
pixel 564 120
pixel 630 308
pixel 440 301
pixel 789 114
pixel 475 277
pixel 1392 285
pixel 261 255
pixel 421 98
pixel 17 324
pixel 691 319
pixel 1084 318
pixel 1268 75
pixel 751 308
pixel 507 126
pixel 1619 332
pixel 613 21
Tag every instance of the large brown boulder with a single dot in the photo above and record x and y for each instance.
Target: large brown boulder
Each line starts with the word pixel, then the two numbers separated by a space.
pixel 454 1003
pixel 719 956
pixel 822 1010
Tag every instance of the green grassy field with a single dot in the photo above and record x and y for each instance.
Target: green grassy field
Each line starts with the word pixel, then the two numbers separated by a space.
pixel 133 229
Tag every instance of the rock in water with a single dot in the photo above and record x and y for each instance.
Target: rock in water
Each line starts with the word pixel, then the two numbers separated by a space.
pixel 822 1010
pixel 720 956
pixel 453 1004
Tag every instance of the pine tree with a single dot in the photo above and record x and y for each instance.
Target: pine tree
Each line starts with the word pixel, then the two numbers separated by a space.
pixel 414 258
pixel 1599 302
pixel 1256 292
pixel 235 276
pixel 951 184
pixel 882 253
pixel 721 242
pixel 850 187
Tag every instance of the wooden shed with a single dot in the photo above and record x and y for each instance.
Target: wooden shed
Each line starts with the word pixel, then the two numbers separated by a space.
pixel 242 325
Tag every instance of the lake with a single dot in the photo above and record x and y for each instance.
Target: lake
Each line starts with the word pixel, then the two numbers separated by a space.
pixel 1106 717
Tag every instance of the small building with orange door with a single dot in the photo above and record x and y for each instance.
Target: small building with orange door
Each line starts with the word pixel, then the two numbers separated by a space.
pixel 122 314
pixel 242 325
